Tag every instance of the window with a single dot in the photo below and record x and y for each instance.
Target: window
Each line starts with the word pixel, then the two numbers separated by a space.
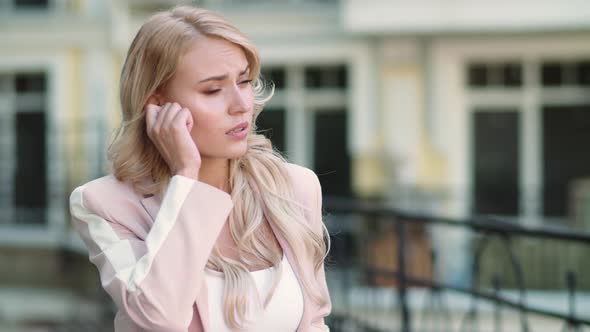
pixel 274 75
pixel 271 123
pixel 505 74
pixel 573 73
pixel 496 159
pixel 307 121
pixel 511 75
pixel 583 73
pixel 23 181
pixel 30 4
pixel 331 159
pixel 537 184
pixel 325 77
pixel 478 75
pixel 566 133
pixel 552 74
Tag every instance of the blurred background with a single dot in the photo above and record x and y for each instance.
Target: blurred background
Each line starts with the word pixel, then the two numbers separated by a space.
pixel 451 139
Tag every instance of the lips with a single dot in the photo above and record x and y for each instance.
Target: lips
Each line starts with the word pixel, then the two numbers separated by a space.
pixel 237 129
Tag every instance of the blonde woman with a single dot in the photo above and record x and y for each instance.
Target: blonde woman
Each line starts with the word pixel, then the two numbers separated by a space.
pixel 201 226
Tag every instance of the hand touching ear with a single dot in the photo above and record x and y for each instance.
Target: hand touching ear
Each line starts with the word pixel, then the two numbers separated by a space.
pixel 169 127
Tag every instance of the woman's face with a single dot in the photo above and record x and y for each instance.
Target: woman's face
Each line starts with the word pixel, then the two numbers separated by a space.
pixel 213 81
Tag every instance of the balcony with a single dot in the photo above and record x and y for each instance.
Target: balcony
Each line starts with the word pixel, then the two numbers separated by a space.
pixel 389 270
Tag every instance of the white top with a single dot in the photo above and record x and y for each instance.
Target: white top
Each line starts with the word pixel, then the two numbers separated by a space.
pixel 282 313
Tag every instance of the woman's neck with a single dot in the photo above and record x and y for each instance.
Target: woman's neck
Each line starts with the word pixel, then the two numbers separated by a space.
pixel 215 172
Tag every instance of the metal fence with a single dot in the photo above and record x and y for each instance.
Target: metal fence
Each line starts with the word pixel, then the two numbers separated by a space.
pixel 394 271
pixel 384 273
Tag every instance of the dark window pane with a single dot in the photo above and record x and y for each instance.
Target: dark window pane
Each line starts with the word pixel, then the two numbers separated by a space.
pixel 583 73
pixel 478 75
pixel 33 82
pixel 332 162
pixel 33 4
pixel 326 77
pixel 566 131
pixel 512 75
pixel 313 77
pixel 271 123
pixel 552 74
pixel 495 151
pixel 335 77
pixel 30 185
pixel 343 77
pixel 275 75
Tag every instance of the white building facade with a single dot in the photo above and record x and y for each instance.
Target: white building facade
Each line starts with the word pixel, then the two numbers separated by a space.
pixel 449 107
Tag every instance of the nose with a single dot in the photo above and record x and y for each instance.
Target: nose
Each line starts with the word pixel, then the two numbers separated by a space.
pixel 241 100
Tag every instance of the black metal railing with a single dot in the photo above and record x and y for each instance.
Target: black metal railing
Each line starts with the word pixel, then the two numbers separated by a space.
pixel 384 273
pixel 378 233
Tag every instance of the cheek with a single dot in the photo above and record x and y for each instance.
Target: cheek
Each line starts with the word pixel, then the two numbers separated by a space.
pixel 250 97
pixel 206 115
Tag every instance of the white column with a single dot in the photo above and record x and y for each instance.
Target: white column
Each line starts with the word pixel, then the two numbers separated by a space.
pixel 363 102
pixel 401 114
pixel 401 128
pixel 57 118
pixel 451 137
pixel 7 156
pixel 97 7
pixel 531 162
pixel 297 129
pixel 96 101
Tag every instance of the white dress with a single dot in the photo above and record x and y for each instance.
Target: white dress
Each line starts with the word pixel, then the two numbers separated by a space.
pixel 282 313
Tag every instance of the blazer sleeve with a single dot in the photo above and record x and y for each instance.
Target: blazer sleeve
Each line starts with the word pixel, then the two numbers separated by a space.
pixel 155 281
pixel 317 321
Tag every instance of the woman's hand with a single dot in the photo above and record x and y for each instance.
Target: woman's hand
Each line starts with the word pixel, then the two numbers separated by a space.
pixel 169 128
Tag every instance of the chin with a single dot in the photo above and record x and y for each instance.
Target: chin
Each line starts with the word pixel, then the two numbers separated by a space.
pixel 237 153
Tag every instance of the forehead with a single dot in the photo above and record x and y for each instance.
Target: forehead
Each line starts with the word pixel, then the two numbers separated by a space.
pixel 207 56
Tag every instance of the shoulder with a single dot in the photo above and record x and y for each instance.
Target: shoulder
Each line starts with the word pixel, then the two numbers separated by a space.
pixel 302 176
pixel 306 187
pixel 103 195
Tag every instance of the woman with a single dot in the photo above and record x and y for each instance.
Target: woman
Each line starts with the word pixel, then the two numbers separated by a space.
pixel 201 226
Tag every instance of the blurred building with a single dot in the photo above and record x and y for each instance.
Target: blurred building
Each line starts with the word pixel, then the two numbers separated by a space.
pixel 450 107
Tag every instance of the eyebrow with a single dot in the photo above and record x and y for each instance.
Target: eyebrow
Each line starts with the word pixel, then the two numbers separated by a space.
pixel 222 77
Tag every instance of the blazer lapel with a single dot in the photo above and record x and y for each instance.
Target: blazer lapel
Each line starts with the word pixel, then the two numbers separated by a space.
pixel 151 204
pixel 296 264
pixel 203 306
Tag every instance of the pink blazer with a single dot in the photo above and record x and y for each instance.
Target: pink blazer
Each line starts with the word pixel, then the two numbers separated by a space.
pixel 151 252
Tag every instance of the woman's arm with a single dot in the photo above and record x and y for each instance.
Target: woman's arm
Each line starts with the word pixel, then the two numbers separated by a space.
pixel 154 281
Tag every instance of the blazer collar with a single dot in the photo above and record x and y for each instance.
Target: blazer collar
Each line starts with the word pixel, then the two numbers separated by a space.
pixel 152 205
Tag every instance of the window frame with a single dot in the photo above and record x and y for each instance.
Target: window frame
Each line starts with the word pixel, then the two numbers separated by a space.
pixel 449 58
pixel 52 233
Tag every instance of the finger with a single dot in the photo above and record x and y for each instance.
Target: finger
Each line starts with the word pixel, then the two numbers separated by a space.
pixel 190 121
pixel 184 118
pixel 151 112
pixel 171 114
pixel 160 116
pixel 163 111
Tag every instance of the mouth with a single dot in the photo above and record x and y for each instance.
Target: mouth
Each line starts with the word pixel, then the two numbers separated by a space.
pixel 239 129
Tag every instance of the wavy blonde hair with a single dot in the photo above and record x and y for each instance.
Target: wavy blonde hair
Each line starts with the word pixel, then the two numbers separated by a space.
pixel 259 181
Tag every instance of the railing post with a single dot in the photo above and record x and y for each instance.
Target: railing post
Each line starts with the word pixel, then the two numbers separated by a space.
pixel 497 305
pixel 570 325
pixel 401 290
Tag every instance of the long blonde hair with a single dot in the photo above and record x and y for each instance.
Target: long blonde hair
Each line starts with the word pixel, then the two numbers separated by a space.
pixel 260 184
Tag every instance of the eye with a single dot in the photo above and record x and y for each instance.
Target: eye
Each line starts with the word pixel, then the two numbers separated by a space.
pixel 246 82
pixel 212 92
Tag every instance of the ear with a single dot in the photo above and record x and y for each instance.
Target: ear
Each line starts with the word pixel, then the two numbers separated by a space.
pixel 155 99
